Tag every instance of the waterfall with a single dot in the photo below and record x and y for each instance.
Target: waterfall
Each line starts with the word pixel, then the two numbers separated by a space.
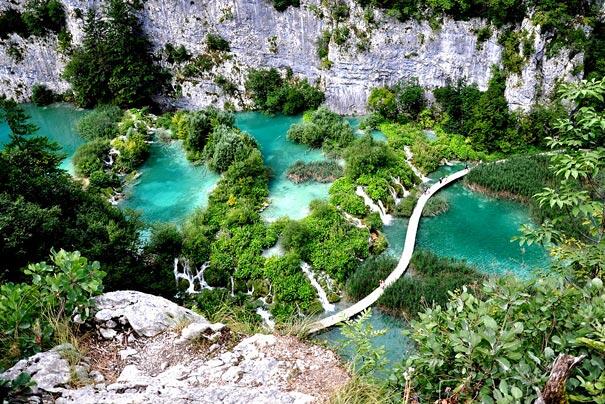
pixel 232 287
pixel 354 220
pixel 386 218
pixel 266 316
pixel 323 297
pixel 397 181
pixel 409 156
pixel 112 152
pixel 394 195
pixel 191 277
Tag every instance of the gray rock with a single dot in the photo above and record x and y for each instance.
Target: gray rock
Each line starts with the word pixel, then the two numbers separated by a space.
pixel 97 377
pixel 110 324
pixel 125 353
pixel 48 369
pixel 108 333
pixel 196 330
pixel 147 315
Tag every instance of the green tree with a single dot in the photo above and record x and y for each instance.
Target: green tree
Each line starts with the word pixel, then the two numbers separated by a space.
pixel 578 164
pixel 114 64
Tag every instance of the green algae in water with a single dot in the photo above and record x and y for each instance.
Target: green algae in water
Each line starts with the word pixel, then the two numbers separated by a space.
pixel 169 188
pixel 287 198
pixel 58 123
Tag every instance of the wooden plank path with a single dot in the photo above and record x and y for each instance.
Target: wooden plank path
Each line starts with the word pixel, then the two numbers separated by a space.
pixel 402 265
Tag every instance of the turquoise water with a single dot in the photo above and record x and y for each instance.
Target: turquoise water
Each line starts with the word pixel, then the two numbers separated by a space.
pixel 287 198
pixel 58 123
pixel 169 187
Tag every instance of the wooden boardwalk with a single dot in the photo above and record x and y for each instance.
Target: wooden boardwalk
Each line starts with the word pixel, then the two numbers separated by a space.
pixel 402 265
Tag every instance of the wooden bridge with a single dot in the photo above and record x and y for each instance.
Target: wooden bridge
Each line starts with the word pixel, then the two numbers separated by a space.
pixel 402 265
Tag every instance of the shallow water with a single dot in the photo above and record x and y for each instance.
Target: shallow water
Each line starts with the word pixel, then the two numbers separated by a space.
pixel 58 123
pixel 169 188
pixel 287 198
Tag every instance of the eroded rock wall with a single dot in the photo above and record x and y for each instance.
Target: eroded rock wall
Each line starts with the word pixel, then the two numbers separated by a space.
pixel 376 53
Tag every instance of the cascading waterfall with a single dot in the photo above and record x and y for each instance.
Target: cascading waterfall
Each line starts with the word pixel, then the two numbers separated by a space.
pixel 232 287
pixel 191 277
pixel 323 297
pixel 266 315
pixel 112 152
pixel 397 181
pixel 409 156
pixel 384 216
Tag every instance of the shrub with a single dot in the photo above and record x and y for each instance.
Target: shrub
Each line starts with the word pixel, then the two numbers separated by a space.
pixel 227 146
pixel 216 42
pixel 323 44
pixel 90 157
pixel 508 342
pixel 323 128
pixel 281 5
pixel 42 95
pixel 176 55
pixel 342 194
pixel 58 291
pixel 101 123
pixel 195 128
pixel 271 93
pixel 11 22
pixel 44 16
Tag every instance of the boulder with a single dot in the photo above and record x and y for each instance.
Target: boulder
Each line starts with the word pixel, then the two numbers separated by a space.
pixel 148 315
pixel 48 369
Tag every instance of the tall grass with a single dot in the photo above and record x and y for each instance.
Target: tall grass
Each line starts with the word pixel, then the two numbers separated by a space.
pixel 360 390
pixel 432 278
pixel 519 177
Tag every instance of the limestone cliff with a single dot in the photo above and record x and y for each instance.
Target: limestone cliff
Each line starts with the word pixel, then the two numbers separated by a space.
pixel 375 53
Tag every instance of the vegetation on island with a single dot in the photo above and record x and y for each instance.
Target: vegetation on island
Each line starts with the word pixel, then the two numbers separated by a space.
pixel 319 171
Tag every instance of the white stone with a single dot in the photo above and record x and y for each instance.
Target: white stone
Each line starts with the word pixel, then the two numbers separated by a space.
pixel 130 373
pixel 125 353
pixel 108 333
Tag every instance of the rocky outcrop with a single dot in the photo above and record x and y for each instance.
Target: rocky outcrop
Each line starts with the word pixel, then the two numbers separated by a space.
pixel 177 357
pixel 376 52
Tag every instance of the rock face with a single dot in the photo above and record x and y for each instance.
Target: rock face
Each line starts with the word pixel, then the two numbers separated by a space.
pixel 194 364
pixel 375 53
pixel 147 315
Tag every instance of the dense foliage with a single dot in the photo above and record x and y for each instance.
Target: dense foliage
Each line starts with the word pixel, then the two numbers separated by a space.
pixel 30 313
pixel 227 146
pixel 39 18
pixel 322 128
pixel 499 347
pixel 402 102
pixel 194 128
pixel 114 64
pixel 281 5
pixel 432 279
pixel 42 95
pixel 101 123
pixel 519 177
pixel 274 94
pixel 320 171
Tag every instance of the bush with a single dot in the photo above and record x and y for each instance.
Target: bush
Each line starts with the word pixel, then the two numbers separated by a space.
pixel 323 128
pixel 90 157
pixel 342 195
pixel 323 44
pixel 216 42
pixel 281 5
pixel 44 16
pixel 176 55
pixel 42 95
pixel 271 93
pixel 101 123
pixel 11 22
pixel 227 146
pixel 57 292
pixel 195 128
pixel 500 346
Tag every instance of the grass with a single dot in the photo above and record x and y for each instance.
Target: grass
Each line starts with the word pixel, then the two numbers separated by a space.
pixel 361 390
pixel 432 278
pixel 319 171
